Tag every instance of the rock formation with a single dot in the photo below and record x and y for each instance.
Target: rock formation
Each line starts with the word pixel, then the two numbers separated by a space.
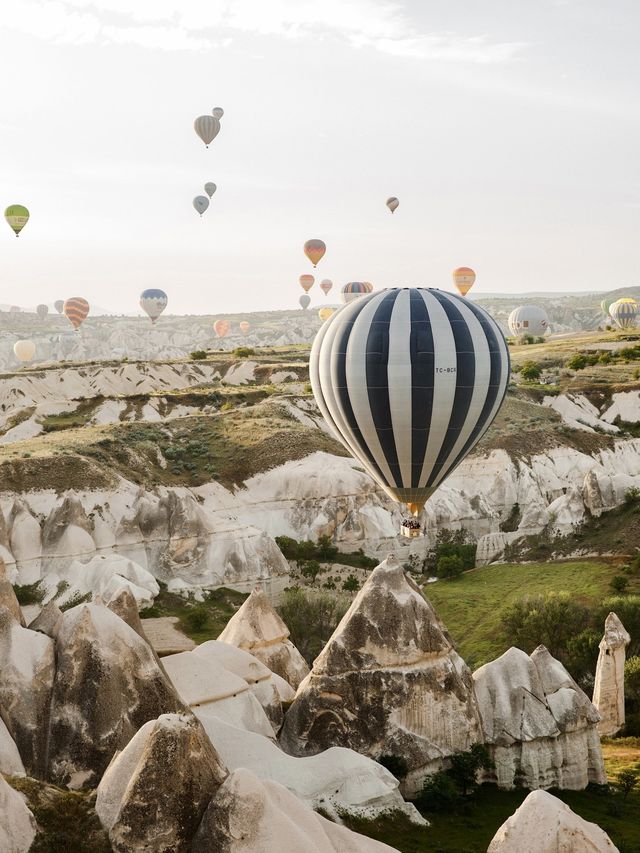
pixel 17 824
pixel 8 597
pixel 10 761
pixel 389 681
pixel 48 620
pixel 608 691
pixel 257 628
pixel 544 824
pixel 539 725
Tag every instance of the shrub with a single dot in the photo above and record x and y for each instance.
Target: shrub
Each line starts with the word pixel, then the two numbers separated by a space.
pixel 197 355
pixel 577 362
pixel 310 618
pixel 582 653
pixel 619 583
pixel 351 584
pixel 632 680
pixel 627 780
pixel 325 549
pixel 451 543
pixel 30 593
pixel 632 496
pixel 243 352
pixel 551 620
pixel 395 764
pixel 465 767
pixel 530 371
pixel 439 793
pixel 310 569
pixel 449 566
pixel 197 619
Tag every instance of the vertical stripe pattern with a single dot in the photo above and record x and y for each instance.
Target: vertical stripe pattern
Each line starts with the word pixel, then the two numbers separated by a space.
pixel 409 380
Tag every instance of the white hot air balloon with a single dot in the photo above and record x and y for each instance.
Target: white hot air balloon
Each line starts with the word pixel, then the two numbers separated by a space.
pixel 210 188
pixel 201 203
pixel 305 301
pixel 24 350
pixel 528 320
pixel 207 128
pixel 217 112
pixel 153 302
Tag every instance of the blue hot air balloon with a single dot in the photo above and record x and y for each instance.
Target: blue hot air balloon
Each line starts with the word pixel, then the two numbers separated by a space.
pixel 409 379
pixel 153 302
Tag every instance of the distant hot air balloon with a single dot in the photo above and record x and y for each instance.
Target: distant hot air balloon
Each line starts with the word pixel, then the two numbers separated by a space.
pixel 628 299
pixel 210 188
pixel 201 203
pixel 624 312
pixel 244 327
pixel 153 302
pixel 605 304
pixel 528 320
pixel 221 328
pixel 392 203
pixel 306 282
pixel 24 350
pixel 42 311
pixel 217 112
pixel 207 128
pixel 76 310
pixel 59 305
pixel 325 285
pixel 463 278
pixel 325 313
pixel 304 301
pixel 17 216
pixel 314 250
pixel 409 379
pixel 354 289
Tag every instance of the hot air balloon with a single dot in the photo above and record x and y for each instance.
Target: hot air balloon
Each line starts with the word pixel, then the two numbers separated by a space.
pixel 628 299
pixel 528 320
pixel 76 310
pixel 207 128
pixel 392 203
pixel 354 289
pixel 42 311
pixel 210 188
pixel 325 285
pixel 59 305
pixel 221 328
pixel 201 203
pixel 153 302
pixel 17 216
pixel 306 282
pixel 244 327
pixel 304 301
pixel 24 350
pixel 325 313
pixel 624 313
pixel 605 304
pixel 217 112
pixel 314 250
pixel 463 278
pixel 409 379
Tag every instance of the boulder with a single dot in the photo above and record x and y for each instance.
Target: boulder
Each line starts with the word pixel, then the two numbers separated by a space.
pixel 544 824
pixel 248 815
pixel 107 685
pixel 48 620
pixel 257 628
pixel 608 691
pixel 8 597
pixel 539 725
pixel 389 681
pixel 124 605
pixel 104 575
pixel 154 793
pixel 17 823
pixel 26 681
pixel 10 761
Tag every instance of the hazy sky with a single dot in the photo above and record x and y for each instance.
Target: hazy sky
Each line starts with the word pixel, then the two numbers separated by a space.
pixel 509 129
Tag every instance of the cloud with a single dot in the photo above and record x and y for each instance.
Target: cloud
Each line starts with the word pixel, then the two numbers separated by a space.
pixel 202 24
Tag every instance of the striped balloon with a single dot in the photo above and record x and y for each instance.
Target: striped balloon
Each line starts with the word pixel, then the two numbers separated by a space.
pixel 325 285
pixel 624 312
pixel 464 278
pixel 306 282
pixel 392 203
pixel 17 216
pixel 409 380
pixel 221 328
pixel 76 310
pixel 153 302
pixel 354 289
pixel 207 128
pixel 314 250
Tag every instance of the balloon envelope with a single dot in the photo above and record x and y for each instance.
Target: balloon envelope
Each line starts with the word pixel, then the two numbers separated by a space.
pixel 325 313
pixel 464 278
pixel 153 302
pixel 409 380
pixel 605 304
pixel 17 216
pixel 217 112
pixel 325 285
pixel 76 310
pixel 207 128
pixel 221 328
pixel 42 311
pixel 528 320
pixel 392 203
pixel 244 327
pixel 59 305
pixel 624 312
pixel 304 301
pixel 306 282
pixel 210 188
pixel 24 350
pixel 314 250
pixel 354 289
pixel 201 203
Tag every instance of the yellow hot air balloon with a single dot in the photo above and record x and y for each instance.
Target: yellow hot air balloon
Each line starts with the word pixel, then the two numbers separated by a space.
pixel 306 282
pixel 17 216
pixel 314 250
pixel 325 313
pixel 244 327
pixel 24 350
pixel 463 278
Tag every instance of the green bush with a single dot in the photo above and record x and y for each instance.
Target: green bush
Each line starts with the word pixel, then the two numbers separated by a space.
pixel 351 584
pixel 619 583
pixel 465 767
pixel 310 569
pixel 530 371
pixel 395 764
pixel 439 793
pixel 551 620
pixel 197 355
pixel 451 543
pixel 449 566
pixel 632 496
pixel 632 679
pixel 29 593
pixel 577 362
pixel 310 618
pixel 243 352
pixel 197 618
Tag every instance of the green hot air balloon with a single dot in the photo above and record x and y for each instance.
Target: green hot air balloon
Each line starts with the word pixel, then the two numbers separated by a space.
pixel 17 216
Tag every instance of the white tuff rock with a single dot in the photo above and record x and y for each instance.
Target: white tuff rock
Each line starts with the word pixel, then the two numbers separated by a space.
pixel 608 691
pixel 17 823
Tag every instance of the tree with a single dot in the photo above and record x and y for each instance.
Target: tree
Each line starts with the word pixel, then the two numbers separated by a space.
pixel 619 583
pixel 198 355
pixel 627 607
pixel 582 653
pixel 551 620
pixel 310 569
pixel 449 567
pixel 627 780
pixel 351 584
pixel 325 549
pixel 632 679
pixel 465 767
pixel 577 362
pixel 438 793
pixel 452 543
pixel 311 618
pixel 530 371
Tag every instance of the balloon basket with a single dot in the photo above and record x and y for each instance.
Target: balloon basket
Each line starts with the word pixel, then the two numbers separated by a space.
pixel 411 529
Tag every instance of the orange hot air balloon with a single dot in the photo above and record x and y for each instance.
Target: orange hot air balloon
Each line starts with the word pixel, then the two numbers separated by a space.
pixel 221 328
pixel 306 282
pixel 463 278
pixel 244 327
pixel 76 311
pixel 314 250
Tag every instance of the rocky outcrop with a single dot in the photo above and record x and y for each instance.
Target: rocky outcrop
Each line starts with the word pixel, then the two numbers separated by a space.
pixel 544 824
pixel 124 605
pixel 103 575
pixel 48 620
pixel 388 681
pixel 8 598
pixel 257 628
pixel 107 685
pixel 154 793
pixel 608 691
pixel 17 823
pixel 10 761
pixel 539 725
pixel 248 815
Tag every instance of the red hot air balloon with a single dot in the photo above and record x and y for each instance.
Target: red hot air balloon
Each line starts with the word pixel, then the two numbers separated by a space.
pixel 76 311
pixel 306 282
pixel 314 250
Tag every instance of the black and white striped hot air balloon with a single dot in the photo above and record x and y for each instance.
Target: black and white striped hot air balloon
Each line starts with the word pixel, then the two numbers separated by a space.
pixel 409 379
